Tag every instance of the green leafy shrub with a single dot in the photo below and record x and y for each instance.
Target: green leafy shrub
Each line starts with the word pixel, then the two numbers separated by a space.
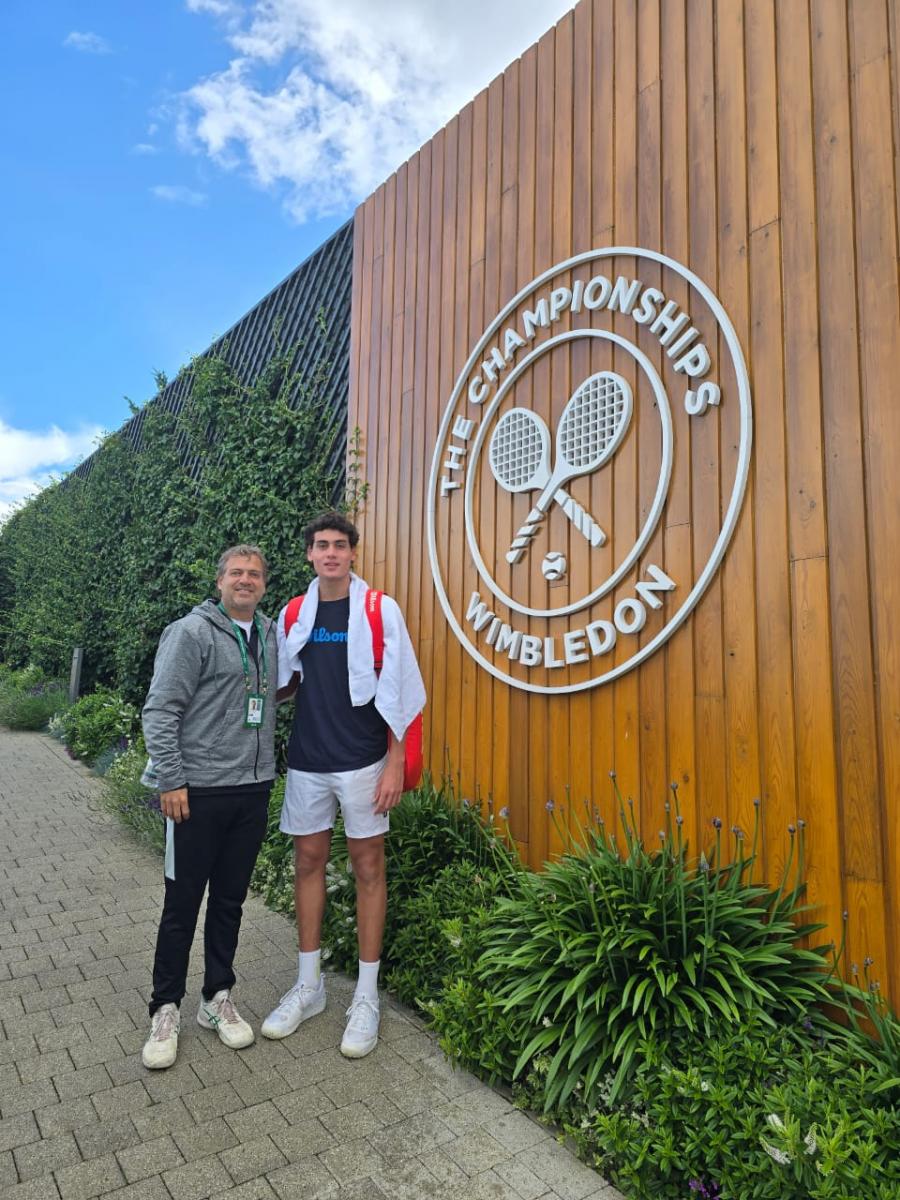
pixel 97 722
pixel 125 796
pixel 604 949
pixel 758 1113
pixel 273 875
pixel 28 700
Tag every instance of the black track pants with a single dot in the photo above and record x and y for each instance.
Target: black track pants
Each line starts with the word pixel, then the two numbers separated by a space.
pixel 216 845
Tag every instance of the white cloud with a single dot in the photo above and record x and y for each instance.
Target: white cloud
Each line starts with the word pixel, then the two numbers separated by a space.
pixel 27 458
pixel 323 100
pixel 178 194
pixel 144 148
pixel 88 43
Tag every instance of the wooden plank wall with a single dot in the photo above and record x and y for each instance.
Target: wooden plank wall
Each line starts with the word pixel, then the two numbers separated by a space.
pixel 759 144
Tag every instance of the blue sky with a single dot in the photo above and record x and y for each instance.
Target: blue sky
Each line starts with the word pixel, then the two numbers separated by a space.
pixel 166 163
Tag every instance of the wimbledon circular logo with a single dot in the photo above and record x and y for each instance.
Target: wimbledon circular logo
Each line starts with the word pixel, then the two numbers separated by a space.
pixel 589 470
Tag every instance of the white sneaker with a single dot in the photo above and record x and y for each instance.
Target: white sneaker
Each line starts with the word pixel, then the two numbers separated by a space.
pixel 361 1035
pixel 161 1046
pixel 294 1007
pixel 221 1015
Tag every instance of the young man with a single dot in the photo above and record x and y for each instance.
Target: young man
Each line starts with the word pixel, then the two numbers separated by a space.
pixel 340 753
pixel 209 724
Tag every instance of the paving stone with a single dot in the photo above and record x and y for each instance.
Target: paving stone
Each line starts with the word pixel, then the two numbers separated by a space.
pixel 256 1121
pixel 309 1180
pixel 82 1083
pixel 209 1138
pixel 44 1066
pixel 18 1131
pixel 410 1180
pixel 8 1173
pixel 213 1102
pixel 252 1158
pixel 147 1189
pixel 149 1158
pixel 66 1115
pixel 27 1097
pixel 516 1131
pixel 349 1160
pixel 118 1100
pixel 304 1103
pixel 254 1189
pixel 411 1137
pixel 352 1121
pixel 476 1151
pixel 171 1116
pixel 521 1179
pixel 180 1080
pixel 40 1158
pixel 490 1186
pixel 197 1180
pixel 89 1179
pixel 106 1137
pixel 43 1188
pixel 303 1139
pixel 569 1178
pixel 17 1049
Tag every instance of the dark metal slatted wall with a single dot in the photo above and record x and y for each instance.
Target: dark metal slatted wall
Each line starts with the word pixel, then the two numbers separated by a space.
pixel 308 311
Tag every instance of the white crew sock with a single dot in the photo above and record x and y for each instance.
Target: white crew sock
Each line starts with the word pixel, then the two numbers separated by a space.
pixel 310 967
pixel 367 984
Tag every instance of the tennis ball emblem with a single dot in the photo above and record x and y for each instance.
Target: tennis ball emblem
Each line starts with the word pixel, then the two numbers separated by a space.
pixel 554 566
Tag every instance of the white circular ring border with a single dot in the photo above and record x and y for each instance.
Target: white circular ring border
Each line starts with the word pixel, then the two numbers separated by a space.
pixel 734 504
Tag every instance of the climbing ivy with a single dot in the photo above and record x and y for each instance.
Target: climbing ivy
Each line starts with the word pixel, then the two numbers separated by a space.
pixel 105 562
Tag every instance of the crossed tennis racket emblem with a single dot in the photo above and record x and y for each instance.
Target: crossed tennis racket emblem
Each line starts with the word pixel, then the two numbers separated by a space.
pixel 589 432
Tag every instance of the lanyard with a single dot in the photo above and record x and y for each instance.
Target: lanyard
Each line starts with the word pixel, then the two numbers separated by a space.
pixel 242 646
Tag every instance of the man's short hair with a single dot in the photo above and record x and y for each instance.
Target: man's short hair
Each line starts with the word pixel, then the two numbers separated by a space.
pixel 242 550
pixel 331 520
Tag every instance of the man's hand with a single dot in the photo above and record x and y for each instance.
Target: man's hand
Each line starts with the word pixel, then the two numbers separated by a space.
pixel 174 804
pixel 390 786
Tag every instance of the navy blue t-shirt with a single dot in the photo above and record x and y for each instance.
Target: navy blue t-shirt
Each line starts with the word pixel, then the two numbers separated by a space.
pixel 329 734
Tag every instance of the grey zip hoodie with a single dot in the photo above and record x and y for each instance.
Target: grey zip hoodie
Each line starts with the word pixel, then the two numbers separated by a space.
pixel 194 713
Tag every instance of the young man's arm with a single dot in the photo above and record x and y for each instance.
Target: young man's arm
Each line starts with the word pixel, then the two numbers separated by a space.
pixel 390 786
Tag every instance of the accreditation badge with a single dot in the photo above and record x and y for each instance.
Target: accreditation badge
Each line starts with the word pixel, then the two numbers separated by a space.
pixel 253 711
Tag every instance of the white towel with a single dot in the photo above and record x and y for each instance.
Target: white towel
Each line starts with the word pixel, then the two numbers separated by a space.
pixel 399 691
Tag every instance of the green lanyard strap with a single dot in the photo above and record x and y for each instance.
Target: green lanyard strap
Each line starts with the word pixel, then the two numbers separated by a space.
pixel 242 646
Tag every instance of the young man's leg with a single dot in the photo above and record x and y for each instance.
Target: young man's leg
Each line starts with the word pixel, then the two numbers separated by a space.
pixel 309 811
pixel 365 843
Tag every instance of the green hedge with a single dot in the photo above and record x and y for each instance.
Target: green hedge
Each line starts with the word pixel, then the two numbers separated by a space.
pixel 107 561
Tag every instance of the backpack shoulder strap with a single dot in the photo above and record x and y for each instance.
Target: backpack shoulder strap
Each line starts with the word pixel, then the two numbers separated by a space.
pixel 373 612
pixel 292 612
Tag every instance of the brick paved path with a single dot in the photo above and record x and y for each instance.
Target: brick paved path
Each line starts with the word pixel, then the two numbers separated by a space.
pixel 81 1117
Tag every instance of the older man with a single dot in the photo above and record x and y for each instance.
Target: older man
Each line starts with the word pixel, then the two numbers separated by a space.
pixel 209 724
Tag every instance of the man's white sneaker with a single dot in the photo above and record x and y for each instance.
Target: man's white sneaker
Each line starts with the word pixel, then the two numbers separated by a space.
pixel 221 1015
pixel 361 1035
pixel 161 1046
pixel 294 1007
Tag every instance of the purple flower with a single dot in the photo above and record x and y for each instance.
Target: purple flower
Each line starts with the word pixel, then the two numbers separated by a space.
pixel 717 822
pixel 679 820
pixel 504 813
pixel 792 829
pixel 549 806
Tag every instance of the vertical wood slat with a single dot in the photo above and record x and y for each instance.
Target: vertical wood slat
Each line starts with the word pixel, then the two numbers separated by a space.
pixel 757 144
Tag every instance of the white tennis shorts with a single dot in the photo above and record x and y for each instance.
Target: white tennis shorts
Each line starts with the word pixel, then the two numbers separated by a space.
pixel 311 800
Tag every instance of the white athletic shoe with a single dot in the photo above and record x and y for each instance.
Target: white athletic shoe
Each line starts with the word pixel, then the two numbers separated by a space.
pixel 161 1046
pixel 361 1035
pixel 294 1007
pixel 221 1015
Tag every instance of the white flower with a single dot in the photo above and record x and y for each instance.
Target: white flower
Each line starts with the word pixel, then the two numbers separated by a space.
pixel 775 1122
pixel 810 1141
pixel 704 1086
pixel 780 1156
